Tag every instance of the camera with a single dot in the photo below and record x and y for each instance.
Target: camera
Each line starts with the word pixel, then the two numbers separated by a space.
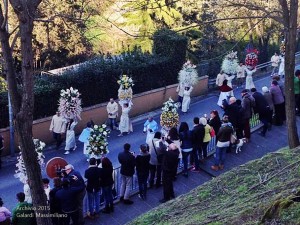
pixel 60 173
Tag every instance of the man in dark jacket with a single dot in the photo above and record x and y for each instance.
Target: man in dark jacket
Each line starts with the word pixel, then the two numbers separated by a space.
pixel 198 133
pixel 127 161
pixel 248 102
pixel 92 174
pixel 169 164
pixel 223 144
pixel 234 113
pixel 76 181
pixel 68 202
pixel 262 108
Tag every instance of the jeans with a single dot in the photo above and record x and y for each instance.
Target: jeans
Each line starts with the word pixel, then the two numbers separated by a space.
pixel 204 149
pixel 265 125
pixel 126 183
pixel 155 169
pixel 220 155
pixel 57 137
pixel 94 201
pixel 197 156
pixel 113 123
pixel 142 179
pixel 185 156
pixel 108 196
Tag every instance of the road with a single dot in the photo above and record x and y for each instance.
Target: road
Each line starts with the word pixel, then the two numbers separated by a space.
pixel 9 185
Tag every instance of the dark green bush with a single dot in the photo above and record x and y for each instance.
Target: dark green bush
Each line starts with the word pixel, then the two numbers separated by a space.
pixel 96 79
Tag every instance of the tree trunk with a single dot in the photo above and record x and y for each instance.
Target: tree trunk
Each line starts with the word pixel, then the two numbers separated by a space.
pixel 23 105
pixel 290 49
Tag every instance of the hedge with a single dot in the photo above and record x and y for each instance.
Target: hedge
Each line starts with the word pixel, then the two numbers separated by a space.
pixel 96 79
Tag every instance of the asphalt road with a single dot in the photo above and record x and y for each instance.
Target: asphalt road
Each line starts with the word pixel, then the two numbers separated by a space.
pixel 9 185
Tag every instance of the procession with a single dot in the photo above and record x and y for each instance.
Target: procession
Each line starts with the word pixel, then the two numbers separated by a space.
pixel 171 148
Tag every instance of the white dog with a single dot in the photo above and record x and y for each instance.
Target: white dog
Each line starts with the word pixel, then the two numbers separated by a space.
pixel 239 144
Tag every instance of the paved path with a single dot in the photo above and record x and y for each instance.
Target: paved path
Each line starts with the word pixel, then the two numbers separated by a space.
pixel 255 149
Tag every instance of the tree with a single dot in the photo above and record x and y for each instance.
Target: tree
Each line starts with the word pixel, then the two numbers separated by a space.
pixel 22 94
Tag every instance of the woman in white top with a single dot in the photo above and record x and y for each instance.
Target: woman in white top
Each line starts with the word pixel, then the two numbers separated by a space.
pixel 70 137
pixel 125 123
pixel 186 99
pixel 249 78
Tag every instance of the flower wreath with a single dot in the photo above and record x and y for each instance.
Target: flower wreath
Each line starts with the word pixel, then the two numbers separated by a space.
pixel 169 117
pixel 230 63
pixel 188 75
pixel 70 104
pixel 98 144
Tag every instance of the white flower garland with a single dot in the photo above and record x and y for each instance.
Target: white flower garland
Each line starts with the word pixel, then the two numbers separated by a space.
pixel 21 173
pixel 98 144
pixel 188 75
pixel 70 104
pixel 230 63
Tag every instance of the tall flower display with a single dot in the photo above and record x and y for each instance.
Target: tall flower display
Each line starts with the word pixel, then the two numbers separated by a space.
pixel 169 117
pixel 125 91
pixel 251 58
pixel 21 173
pixel 188 75
pixel 70 104
pixel 98 144
pixel 230 63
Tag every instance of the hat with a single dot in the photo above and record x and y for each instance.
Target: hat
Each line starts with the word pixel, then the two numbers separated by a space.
pixel 253 89
pixel 69 166
pixel 265 89
pixel 203 121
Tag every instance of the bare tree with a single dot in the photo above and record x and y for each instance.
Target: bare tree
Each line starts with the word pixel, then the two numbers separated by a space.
pixel 22 97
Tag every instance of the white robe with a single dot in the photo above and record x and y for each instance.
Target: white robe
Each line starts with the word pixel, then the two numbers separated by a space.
pixel 70 137
pixel 186 100
pixel 281 67
pixel 223 95
pixel 125 123
pixel 249 79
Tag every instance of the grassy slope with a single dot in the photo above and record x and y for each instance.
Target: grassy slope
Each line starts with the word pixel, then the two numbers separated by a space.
pixel 260 189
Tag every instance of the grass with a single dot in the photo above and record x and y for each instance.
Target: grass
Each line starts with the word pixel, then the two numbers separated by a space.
pixel 260 192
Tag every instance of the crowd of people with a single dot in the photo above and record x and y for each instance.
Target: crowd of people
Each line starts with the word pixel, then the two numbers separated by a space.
pixel 158 161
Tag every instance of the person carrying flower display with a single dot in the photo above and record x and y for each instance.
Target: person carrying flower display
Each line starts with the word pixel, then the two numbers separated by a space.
pixel 84 138
pixel 125 124
pixel 186 99
pixel 249 78
pixel 70 137
pixel 241 69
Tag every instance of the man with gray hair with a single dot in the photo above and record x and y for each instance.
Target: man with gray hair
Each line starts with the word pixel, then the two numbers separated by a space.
pixel 150 127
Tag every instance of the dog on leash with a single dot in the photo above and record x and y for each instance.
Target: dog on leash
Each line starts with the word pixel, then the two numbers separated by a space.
pixel 239 144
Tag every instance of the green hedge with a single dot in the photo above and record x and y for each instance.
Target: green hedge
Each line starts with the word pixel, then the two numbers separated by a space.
pixel 96 79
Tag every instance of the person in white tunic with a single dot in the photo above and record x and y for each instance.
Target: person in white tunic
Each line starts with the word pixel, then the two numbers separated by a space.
pixel 112 111
pixel 281 66
pixel 186 99
pixel 249 78
pixel 70 137
pixel 179 90
pixel 275 62
pixel 224 94
pixel 240 74
pixel 27 192
pixel 125 123
pixel 150 127
pixel 84 137
pixel 220 78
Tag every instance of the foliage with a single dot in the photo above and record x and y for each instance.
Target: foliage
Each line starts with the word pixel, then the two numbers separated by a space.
pixel 3 85
pixel 259 192
pixel 147 71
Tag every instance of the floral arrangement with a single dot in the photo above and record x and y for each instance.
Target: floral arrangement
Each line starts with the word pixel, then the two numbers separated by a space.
pixel 251 58
pixel 125 82
pixel 188 75
pixel 98 140
pixel 70 104
pixel 282 48
pixel 125 91
pixel 169 117
pixel 21 173
pixel 230 63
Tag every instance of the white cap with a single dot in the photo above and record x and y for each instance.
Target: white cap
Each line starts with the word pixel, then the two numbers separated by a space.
pixel 265 89
pixel 203 121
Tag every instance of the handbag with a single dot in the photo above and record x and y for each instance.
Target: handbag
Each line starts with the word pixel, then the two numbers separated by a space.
pixel 212 132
